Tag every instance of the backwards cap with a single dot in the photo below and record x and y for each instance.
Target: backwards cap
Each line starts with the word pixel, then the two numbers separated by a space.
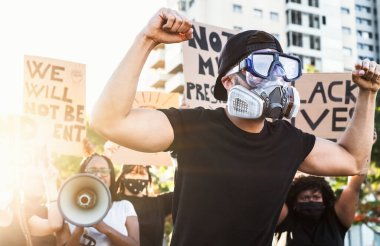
pixel 237 48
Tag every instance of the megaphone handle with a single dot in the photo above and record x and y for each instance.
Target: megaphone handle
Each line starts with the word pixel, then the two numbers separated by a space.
pixel 91 241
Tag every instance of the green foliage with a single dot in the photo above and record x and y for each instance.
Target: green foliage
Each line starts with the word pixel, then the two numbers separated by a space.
pixel 375 157
pixel 94 138
pixel 368 211
pixel 68 165
pixel 162 178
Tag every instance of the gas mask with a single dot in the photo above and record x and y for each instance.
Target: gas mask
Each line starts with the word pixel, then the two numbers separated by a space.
pixel 269 95
pixel 272 102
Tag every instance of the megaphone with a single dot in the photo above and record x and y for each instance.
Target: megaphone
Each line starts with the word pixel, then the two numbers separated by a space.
pixel 84 200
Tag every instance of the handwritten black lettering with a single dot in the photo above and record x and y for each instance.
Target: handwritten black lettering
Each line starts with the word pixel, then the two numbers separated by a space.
pixel 215 42
pixel 74 114
pixel 349 88
pixel 330 89
pixel 41 69
pixel 200 40
pixel 336 119
pixel 214 39
pixel 44 91
pixel 69 132
pixel 313 125
pixel 204 65
pixel 47 110
pixel 318 89
pixel 200 92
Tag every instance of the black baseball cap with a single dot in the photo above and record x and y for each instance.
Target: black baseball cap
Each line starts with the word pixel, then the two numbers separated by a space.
pixel 237 48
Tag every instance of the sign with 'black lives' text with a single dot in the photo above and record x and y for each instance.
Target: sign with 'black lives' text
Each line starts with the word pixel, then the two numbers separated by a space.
pixel 327 99
pixel 327 103
pixel 54 90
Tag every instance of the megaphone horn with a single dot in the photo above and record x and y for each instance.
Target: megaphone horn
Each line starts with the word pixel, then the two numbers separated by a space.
pixel 84 200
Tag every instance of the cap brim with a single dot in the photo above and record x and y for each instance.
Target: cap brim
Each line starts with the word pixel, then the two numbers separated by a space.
pixel 220 92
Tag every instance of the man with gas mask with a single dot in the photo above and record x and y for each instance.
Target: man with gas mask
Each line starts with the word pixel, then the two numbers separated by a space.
pixel 234 166
pixel 262 79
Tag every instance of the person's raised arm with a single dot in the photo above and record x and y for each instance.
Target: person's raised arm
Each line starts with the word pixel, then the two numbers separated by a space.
pixel 348 156
pixel 284 212
pixel 347 204
pixel 113 116
pixel 39 226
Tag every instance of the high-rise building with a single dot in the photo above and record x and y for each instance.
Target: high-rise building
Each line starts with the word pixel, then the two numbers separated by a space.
pixel 367 30
pixel 328 35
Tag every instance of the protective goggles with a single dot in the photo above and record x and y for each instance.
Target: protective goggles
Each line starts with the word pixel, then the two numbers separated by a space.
pixel 263 64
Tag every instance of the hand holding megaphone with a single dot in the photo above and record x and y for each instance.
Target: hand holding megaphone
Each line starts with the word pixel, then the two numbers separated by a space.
pixel 84 200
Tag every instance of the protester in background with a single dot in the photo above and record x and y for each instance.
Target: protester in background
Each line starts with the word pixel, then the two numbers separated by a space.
pixel 313 216
pixel 31 215
pixel 120 226
pixel 234 166
pixel 11 230
pixel 133 185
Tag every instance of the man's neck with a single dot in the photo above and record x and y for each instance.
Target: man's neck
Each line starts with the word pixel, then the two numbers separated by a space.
pixel 248 125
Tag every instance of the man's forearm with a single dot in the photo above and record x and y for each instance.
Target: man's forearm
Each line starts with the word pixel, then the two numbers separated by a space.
pixel 357 138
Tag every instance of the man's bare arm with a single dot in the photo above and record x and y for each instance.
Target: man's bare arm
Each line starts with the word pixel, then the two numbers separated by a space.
pixel 348 155
pixel 348 202
pixel 113 116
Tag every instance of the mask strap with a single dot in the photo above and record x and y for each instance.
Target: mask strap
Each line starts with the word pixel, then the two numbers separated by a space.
pixel 241 76
pixel 290 105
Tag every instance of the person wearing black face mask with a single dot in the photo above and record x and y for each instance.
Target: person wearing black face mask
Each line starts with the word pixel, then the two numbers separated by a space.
pixel 310 210
pixel 312 215
pixel 133 185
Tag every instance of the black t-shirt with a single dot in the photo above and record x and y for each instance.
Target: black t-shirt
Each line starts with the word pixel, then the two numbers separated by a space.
pixel 230 185
pixel 151 213
pixel 328 231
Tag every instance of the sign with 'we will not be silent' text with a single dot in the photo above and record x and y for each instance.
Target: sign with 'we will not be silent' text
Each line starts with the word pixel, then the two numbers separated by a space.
pixel 54 90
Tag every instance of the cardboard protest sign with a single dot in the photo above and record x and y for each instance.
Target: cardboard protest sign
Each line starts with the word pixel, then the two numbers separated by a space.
pixel 55 90
pixel 327 99
pixel 122 155
pixel 327 103
pixel 200 64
